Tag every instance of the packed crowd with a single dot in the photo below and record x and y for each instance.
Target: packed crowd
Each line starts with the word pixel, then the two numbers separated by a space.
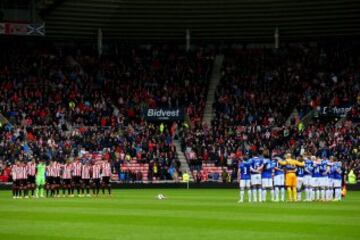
pixel 62 102
pixel 259 90
pixel 43 88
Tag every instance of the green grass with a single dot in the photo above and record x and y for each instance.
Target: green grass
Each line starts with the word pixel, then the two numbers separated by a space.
pixel 187 214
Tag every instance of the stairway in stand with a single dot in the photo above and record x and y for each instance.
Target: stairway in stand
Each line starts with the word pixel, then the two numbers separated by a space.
pixel 214 82
pixel 181 155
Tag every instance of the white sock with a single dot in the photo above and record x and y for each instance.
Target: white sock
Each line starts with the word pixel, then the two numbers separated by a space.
pixel 317 197
pixel 340 193
pixel 332 194
pixel 299 195
pixel 277 193
pixel 260 194
pixel 263 197
pixel 326 194
pixel 329 194
pixel 249 195
pixel 314 194
pixel 282 194
pixel 241 195
pixel 272 194
pixel 337 193
pixel 322 194
pixel 254 194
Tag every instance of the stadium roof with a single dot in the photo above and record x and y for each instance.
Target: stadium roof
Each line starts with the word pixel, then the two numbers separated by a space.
pixel 253 20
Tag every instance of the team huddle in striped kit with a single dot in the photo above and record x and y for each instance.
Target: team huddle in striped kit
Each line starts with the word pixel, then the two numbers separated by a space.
pixel 57 179
pixel 320 179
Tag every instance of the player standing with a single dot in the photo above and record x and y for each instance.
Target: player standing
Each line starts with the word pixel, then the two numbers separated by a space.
pixel 22 178
pixel 256 166
pixel 53 173
pixel 323 183
pixel 337 180
pixel 85 178
pixel 331 172
pixel 95 172
pixel 106 173
pixel 49 179
pixel 40 179
pixel 308 169
pixel 316 178
pixel 66 178
pixel 279 180
pixel 31 171
pixel 16 185
pixel 290 176
pixel 56 176
pixel 300 171
pixel 244 180
pixel 266 178
pixel 76 167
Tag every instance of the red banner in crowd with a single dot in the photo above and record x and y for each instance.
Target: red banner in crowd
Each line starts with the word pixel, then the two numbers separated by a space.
pixel 33 29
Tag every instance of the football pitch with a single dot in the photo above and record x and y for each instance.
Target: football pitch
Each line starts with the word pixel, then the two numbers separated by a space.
pixel 186 214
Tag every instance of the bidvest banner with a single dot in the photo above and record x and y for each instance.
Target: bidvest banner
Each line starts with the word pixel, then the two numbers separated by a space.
pixel 163 114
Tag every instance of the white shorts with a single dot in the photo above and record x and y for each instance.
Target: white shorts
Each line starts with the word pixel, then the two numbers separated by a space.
pixel 266 183
pixel 307 180
pixel 244 183
pixel 323 182
pixel 279 180
pixel 330 183
pixel 315 182
pixel 255 179
pixel 337 183
pixel 300 182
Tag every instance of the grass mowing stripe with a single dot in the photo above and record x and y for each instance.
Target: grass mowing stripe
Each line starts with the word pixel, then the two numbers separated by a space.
pixel 275 217
pixel 82 226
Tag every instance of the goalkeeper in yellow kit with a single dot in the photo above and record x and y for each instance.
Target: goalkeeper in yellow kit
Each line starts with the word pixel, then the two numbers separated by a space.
pixel 290 175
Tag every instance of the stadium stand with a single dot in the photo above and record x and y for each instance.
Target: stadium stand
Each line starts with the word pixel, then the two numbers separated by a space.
pixel 259 91
pixel 64 101
pixel 62 105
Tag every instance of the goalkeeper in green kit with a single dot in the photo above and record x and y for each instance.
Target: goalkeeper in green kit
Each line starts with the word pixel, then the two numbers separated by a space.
pixel 40 179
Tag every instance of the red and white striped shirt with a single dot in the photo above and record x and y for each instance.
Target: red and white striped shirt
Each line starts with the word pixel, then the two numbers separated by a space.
pixel 67 170
pixel 13 172
pixel 77 169
pixel 48 171
pixel 57 169
pixel 53 170
pixel 21 172
pixel 86 172
pixel 106 169
pixel 31 169
pixel 96 168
